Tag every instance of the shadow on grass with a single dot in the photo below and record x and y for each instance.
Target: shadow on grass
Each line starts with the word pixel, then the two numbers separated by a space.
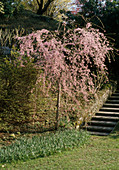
pixel 114 136
pixel 115 133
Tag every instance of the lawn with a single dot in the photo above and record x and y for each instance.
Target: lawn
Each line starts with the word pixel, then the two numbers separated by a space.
pixel 99 153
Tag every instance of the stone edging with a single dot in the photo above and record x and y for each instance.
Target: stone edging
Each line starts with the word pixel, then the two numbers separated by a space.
pixel 97 104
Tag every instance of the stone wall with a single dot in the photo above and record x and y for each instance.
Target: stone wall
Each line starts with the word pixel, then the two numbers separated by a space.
pixel 94 106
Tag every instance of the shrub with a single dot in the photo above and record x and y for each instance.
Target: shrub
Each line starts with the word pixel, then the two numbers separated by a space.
pixel 7 36
pixel 16 83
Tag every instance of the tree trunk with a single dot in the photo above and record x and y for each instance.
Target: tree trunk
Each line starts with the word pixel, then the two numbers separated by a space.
pixel 58 105
pixel 41 10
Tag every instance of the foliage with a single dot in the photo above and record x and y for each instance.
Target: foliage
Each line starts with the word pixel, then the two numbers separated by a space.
pixel 94 7
pixel 15 86
pixel 24 149
pixel 8 8
pixel 90 7
pixel 11 7
pixel 7 36
pixel 103 15
pixel 110 20
pixel 18 7
pixel 1 8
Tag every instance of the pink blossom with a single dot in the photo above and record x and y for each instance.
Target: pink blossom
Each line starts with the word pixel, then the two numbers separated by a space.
pixel 69 61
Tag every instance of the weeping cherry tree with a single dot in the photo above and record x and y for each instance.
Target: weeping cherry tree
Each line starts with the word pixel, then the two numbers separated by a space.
pixel 69 64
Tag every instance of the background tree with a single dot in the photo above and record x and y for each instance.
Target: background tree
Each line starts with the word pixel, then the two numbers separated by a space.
pixel 1 7
pixel 8 8
pixel 11 7
pixel 98 8
pixel 38 6
pixel 47 7
pixel 105 17
pixel 43 6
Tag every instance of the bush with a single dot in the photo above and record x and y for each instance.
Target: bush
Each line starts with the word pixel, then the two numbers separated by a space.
pixel 24 149
pixel 16 83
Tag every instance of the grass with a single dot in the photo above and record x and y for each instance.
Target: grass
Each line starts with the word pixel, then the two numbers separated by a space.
pixel 101 153
pixel 29 20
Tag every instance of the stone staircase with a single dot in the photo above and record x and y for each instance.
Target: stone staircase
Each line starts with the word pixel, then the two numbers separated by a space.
pixel 105 120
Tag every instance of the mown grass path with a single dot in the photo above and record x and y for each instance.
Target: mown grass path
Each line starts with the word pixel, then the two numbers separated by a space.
pixel 100 153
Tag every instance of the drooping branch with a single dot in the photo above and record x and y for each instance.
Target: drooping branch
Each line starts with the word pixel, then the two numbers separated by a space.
pixel 42 9
pixel 74 74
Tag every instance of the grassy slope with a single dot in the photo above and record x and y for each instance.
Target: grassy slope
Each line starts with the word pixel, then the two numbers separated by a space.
pixel 29 20
pixel 100 153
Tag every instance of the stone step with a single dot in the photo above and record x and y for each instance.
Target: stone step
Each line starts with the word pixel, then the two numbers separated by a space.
pixel 99 133
pixel 109 109
pixel 106 113
pixel 111 105
pixel 113 101
pixel 114 97
pixel 102 123
pixel 115 94
pixel 107 118
pixel 99 128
